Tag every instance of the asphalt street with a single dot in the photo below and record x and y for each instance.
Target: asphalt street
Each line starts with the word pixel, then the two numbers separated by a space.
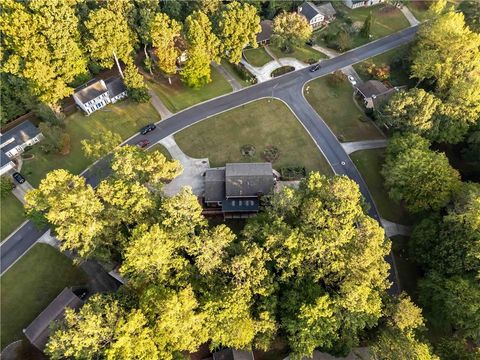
pixel 288 88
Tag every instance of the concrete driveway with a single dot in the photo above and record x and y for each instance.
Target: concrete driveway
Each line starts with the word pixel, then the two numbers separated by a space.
pixel 193 170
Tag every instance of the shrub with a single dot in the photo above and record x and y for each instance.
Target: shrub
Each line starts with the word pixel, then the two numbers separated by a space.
pixel 6 185
pixel 271 153
pixel 248 150
pixel 336 78
pixel 293 173
pixel 65 143
pixel 282 70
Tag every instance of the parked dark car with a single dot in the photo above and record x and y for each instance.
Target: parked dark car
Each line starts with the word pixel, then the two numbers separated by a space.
pixel 143 143
pixel 145 130
pixel 18 177
pixel 309 42
pixel 315 68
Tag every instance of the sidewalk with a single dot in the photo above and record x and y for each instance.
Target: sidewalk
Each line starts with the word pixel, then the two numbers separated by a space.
pixel 353 146
pixel 159 106
pixel 21 189
pixel 409 16
pixel 231 80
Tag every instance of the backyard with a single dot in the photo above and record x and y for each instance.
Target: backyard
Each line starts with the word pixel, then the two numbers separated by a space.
pixel 178 96
pixel 398 61
pixel 387 20
pixel 369 163
pixel 257 57
pixel 334 103
pixel 261 123
pixel 124 118
pixel 11 215
pixel 30 285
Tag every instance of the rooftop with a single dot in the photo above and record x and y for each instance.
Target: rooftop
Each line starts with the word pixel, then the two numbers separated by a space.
pixel 248 179
pixel 232 354
pixel 266 32
pixel 90 90
pixel 308 10
pixel 372 88
pixel 19 135
pixel 326 9
pixel 115 86
pixel 215 184
pixel 39 330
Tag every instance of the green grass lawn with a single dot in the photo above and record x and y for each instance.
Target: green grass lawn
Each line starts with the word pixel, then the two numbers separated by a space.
pixel 11 215
pixel 335 105
pixel 260 123
pixel 387 20
pixel 303 53
pixel 30 285
pixel 178 96
pixel 369 163
pixel 124 118
pixel 419 8
pixel 231 69
pixel 398 68
pixel 257 57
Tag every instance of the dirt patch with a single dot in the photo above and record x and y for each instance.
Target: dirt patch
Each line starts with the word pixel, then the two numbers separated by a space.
pixel 420 4
pixel 387 10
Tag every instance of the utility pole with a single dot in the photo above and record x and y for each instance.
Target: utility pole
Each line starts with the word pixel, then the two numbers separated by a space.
pixel 118 65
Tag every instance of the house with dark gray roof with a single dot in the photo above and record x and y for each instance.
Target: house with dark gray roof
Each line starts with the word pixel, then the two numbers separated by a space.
pixel 6 164
pixel 232 354
pixel 14 141
pixel 237 187
pixel 39 330
pixel 263 37
pixel 317 15
pixel 353 4
pixel 374 93
pixel 96 94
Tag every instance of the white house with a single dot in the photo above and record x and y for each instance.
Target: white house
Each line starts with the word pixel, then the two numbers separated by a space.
pixel 96 94
pixel 317 15
pixel 353 4
pixel 5 163
pixel 13 142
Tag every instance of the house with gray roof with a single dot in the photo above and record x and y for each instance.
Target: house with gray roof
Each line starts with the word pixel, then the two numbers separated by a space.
pixel 374 93
pixel 39 330
pixel 317 15
pixel 6 164
pixel 353 4
pixel 263 37
pixel 238 187
pixel 14 141
pixel 97 94
pixel 232 354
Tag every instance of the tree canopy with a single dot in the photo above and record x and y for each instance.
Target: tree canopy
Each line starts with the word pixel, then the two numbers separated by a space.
pixel 291 29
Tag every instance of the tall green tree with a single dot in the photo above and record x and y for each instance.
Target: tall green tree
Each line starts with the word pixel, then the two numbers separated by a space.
pixel 471 11
pixel 203 49
pixel 367 25
pixel 453 302
pixel 450 244
pixel 109 35
pixel 135 84
pixel 412 111
pixel 447 54
pixel 290 29
pixel 164 33
pixel 237 26
pixel 41 44
pixel 423 179
pixel 132 163
pixel 70 206
pixel 100 144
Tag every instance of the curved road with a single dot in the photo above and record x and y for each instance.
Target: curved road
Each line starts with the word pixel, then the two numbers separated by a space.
pixel 288 88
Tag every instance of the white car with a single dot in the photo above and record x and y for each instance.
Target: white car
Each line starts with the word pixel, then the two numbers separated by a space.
pixel 352 80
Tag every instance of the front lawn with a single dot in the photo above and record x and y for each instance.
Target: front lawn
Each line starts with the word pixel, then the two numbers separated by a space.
pixel 231 68
pixel 178 96
pixel 261 123
pixel 11 214
pixel 30 285
pixel 303 53
pixel 334 103
pixel 124 118
pixel 397 59
pixel 419 8
pixel 257 57
pixel 162 149
pixel 369 163
pixel 387 20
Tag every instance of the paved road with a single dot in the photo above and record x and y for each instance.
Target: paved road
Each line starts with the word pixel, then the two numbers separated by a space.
pixel 287 88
